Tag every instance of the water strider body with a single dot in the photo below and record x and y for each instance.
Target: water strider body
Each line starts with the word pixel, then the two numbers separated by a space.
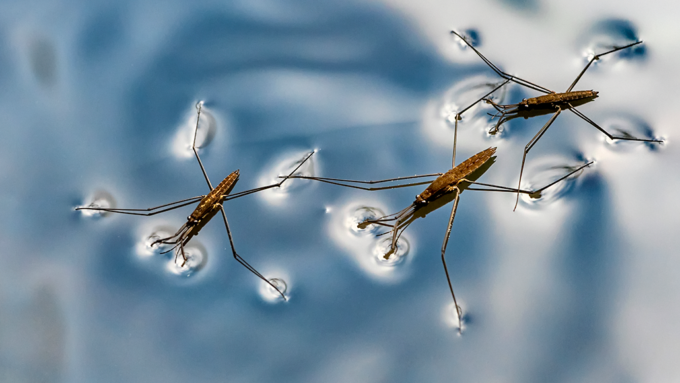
pixel 437 193
pixel 550 102
pixel 208 206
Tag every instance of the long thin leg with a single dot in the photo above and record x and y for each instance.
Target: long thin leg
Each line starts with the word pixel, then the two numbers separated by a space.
pixel 505 189
pixel 530 145
pixel 458 118
pixel 506 76
pixel 199 106
pixel 611 136
pixel 362 187
pixel 446 269
pixel 243 261
pixel 255 190
pixel 181 203
pixel 597 57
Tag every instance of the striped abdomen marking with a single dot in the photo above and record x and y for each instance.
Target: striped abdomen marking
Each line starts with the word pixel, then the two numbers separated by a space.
pixel 454 175
pixel 553 98
pixel 215 196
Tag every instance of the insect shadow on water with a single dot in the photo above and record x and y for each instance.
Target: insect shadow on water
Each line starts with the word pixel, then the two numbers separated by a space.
pixel 208 206
pixel 551 102
pixel 445 188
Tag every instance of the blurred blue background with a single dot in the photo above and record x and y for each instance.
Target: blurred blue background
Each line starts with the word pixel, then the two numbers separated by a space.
pixel 98 107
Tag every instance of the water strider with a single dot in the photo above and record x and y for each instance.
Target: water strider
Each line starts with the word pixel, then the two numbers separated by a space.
pixel 551 102
pixel 445 187
pixel 208 206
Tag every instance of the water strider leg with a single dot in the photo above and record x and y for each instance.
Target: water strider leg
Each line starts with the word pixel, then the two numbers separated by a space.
pixel 339 182
pixel 530 145
pixel 459 312
pixel 611 136
pixel 150 210
pixel 505 189
pixel 506 76
pixel 199 106
pixel 458 118
pixel 597 57
pixel 278 184
pixel 243 261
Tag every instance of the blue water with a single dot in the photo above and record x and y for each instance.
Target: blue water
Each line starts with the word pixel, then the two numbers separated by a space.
pixel 98 106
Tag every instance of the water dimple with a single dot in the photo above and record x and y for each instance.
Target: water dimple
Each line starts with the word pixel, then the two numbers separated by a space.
pixel 270 294
pixel 356 221
pixel 205 133
pixel 610 33
pixel 450 316
pixel 481 116
pixel 292 164
pixel 146 247
pixel 471 35
pixel 196 259
pixel 100 199
pixel 546 172
pixel 629 127
pixel 384 255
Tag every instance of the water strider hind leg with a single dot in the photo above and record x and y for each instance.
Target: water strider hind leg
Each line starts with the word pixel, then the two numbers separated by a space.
pixel 611 136
pixel 530 145
pixel 459 312
pixel 243 261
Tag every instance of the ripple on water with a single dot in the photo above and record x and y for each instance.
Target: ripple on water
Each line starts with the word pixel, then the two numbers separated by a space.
pixel 543 172
pixel 283 167
pixel 464 93
pixel 363 214
pixel 184 136
pixel 623 125
pixel 365 246
pixel 100 199
pixel 269 294
pixel 144 247
pixel 471 35
pixel 608 33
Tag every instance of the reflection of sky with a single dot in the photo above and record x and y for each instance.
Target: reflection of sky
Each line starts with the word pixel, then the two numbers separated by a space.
pixel 580 286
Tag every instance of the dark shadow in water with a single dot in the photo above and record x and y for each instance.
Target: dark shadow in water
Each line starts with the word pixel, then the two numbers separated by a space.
pixel 43 60
pixel 217 45
pixel 576 339
pixel 621 32
pixel 532 6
